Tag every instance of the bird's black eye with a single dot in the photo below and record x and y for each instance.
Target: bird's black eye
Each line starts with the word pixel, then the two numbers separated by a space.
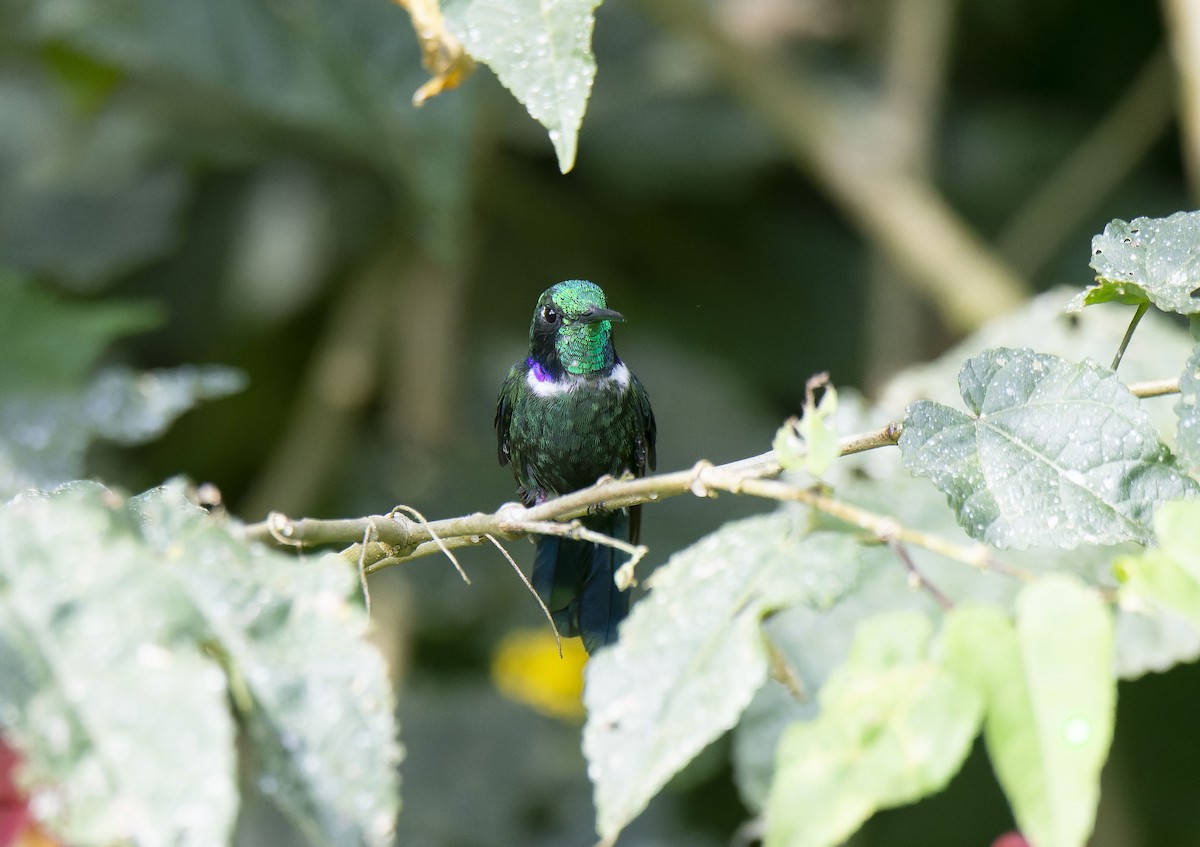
pixel 549 314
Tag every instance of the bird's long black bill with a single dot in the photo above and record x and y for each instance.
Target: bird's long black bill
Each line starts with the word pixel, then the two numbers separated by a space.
pixel 592 316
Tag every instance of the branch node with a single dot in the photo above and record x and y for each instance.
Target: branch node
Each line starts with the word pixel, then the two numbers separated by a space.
pixel 283 529
pixel 697 486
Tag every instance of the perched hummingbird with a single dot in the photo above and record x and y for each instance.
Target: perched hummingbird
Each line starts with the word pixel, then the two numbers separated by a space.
pixel 568 414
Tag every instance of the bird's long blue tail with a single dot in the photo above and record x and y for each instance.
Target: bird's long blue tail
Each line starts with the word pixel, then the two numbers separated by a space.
pixel 575 580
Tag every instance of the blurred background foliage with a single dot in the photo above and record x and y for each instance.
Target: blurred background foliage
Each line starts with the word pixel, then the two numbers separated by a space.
pixel 766 188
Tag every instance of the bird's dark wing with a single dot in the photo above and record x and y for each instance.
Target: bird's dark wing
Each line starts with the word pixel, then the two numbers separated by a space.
pixel 644 452
pixel 645 456
pixel 504 408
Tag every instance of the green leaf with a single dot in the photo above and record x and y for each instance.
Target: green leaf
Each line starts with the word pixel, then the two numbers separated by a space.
pixel 810 443
pixel 692 653
pixel 1147 259
pixel 1050 698
pixel 1169 575
pixel 44 435
pixel 894 727
pixel 541 51
pixel 111 615
pixel 1187 437
pixel 315 697
pixel 121 720
pixel 34 323
pixel 1053 453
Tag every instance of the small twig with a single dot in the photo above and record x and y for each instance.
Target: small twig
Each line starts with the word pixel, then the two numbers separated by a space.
pixel 916 578
pixel 362 567
pixel 532 590
pixel 783 672
pixel 437 539
pixel 1137 317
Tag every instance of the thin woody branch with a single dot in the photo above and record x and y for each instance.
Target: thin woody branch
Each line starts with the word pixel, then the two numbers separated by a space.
pixel 396 538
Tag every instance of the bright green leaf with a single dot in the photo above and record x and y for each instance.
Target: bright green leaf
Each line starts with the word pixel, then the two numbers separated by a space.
pixel 894 727
pixel 1050 699
pixel 1168 576
pixel 1052 453
pixel 1147 259
pixel 1155 576
pixel 810 443
pixel 692 653
pixel 541 51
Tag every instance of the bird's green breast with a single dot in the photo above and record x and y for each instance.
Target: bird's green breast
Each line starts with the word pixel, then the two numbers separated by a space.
pixel 564 438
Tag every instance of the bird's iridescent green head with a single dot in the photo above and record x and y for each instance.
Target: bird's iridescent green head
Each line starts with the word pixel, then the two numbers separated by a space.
pixel 572 329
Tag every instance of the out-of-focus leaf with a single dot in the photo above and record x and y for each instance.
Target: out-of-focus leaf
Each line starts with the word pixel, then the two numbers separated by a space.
pixel 131 408
pixel 542 52
pixel 81 196
pixel 1187 437
pixel 118 619
pixel 1050 698
pixel 894 727
pixel 44 435
pixel 48 344
pixel 315 697
pixel 1052 453
pixel 1170 574
pixel 1154 260
pixel 122 722
pixel 692 653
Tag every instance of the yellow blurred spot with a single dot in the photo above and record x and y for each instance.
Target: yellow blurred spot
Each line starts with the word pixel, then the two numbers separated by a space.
pixel 526 668
pixel 441 52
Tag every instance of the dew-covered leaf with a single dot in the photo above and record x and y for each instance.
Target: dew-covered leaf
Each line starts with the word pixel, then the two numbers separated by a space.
pixel 314 696
pixel 1147 259
pixel 692 653
pixel 894 727
pixel 541 51
pixel 1187 437
pixel 1050 699
pixel 1051 453
pixel 118 620
pixel 121 720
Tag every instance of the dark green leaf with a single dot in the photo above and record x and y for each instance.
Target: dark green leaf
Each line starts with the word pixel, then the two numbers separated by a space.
pixel 1052 453
pixel 35 327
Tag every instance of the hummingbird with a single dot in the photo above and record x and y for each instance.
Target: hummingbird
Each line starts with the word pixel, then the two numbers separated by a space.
pixel 570 413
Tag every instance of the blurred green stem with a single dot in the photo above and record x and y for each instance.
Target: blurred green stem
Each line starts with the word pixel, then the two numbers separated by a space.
pixel 843 150
pixel 1183 31
pixel 1108 154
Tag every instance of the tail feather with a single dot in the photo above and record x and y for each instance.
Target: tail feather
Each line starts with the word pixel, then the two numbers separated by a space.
pixel 576 581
